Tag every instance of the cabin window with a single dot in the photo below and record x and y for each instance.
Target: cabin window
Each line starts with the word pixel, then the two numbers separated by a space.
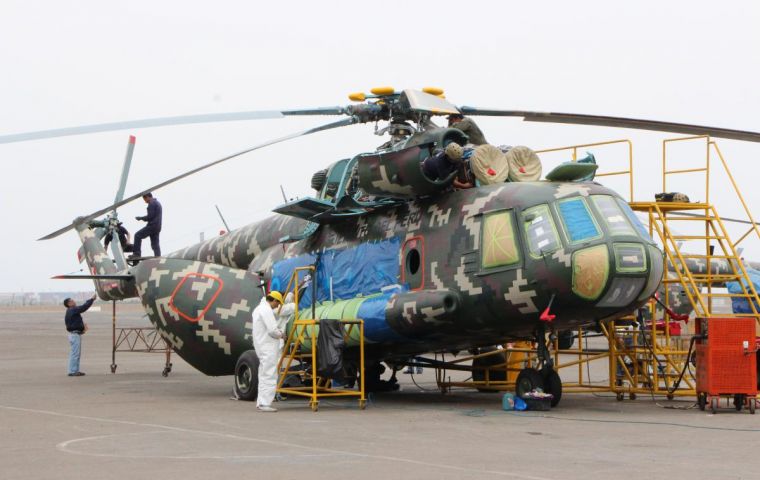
pixel 577 221
pixel 540 230
pixel 613 216
pixel 499 242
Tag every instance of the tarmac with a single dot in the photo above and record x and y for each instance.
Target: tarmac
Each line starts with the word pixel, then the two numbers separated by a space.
pixel 137 424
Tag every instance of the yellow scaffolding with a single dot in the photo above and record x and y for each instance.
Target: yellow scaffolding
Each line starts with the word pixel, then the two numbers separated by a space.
pixel 301 346
pixel 649 361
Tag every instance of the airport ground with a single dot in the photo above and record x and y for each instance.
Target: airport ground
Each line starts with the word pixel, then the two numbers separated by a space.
pixel 137 424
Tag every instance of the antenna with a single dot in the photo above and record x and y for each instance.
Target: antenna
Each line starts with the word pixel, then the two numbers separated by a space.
pixel 222 217
pixel 284 197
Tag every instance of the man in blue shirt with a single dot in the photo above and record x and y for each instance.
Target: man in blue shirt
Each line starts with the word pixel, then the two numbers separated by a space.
pixel 76 328
pixel 152 229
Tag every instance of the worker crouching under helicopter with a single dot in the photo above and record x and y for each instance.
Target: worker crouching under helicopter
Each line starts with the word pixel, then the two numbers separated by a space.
pixel 268 333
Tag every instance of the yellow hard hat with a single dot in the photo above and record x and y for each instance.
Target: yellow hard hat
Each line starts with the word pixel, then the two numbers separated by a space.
pixel 276 295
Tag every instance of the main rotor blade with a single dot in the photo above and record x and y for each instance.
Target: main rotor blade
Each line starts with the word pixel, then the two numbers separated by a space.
pixel 618 122
pixel 340 123
pixel 166 121
pixel 125 169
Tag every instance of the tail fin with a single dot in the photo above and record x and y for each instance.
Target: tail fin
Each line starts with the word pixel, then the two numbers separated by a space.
pixel 99 263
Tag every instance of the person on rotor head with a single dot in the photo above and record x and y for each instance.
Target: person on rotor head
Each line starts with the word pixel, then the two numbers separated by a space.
pixel 467 126
pixel 441 165
pixel 267 336
pixel 152 229
pixel 123 234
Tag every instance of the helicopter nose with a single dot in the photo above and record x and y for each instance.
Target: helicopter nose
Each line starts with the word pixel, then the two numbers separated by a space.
pixel 623 273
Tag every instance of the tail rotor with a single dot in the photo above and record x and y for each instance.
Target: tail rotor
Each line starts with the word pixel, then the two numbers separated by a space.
pixel 110 224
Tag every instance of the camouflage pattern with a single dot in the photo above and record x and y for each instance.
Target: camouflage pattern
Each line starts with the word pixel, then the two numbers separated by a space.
pixel 99 263
pixel 398 174
pixel 201 297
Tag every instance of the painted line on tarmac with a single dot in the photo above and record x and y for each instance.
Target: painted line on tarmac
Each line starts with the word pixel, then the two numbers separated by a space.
pixel 281 444
pixel 66 448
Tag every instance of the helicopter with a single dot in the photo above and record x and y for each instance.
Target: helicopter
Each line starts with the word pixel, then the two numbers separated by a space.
pixel 426 267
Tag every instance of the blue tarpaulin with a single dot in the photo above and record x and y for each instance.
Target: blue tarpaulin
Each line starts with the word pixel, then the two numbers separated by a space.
pixel 741 305
pixel 357 271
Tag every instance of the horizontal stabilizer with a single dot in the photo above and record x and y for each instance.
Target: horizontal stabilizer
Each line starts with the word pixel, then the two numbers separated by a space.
pixel 93 277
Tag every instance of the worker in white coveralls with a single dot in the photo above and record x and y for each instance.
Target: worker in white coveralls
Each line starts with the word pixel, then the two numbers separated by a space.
pixel 267 336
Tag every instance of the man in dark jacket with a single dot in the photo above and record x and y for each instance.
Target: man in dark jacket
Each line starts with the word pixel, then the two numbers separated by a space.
pixel 76 328
pixel 152 229
pixel 468 127
pixel 123 235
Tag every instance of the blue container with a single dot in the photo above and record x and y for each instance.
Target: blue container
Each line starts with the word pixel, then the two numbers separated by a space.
pixel 508 401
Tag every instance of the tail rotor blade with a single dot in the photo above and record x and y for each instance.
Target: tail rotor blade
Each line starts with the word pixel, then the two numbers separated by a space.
pixel 125 169
pixel 340 123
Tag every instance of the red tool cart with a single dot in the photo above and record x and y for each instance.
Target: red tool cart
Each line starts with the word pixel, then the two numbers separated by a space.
pixel 726 362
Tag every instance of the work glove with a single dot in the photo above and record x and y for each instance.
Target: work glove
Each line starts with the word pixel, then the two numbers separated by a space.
pixel 138 218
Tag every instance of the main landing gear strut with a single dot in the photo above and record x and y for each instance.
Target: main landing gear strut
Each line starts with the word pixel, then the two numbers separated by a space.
pixel 544 377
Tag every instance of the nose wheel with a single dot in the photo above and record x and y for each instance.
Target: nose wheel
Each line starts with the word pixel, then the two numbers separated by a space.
pixel 545 377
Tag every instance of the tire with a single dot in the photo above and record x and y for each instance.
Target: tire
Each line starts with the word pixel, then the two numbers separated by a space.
pixel 553 385
pixel 489 361
pixel 528 379
pixel 738 402
pixel 702 401
pixel 714 405
pixel 247 376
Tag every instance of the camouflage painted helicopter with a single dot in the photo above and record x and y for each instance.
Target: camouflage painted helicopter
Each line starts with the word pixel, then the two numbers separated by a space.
pixel 426 267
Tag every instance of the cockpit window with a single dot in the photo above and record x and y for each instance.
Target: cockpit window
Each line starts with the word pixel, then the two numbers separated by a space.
pixel 499 242
pixel 540 230
pixel 612 215
pixel 635 220
pixel 579 225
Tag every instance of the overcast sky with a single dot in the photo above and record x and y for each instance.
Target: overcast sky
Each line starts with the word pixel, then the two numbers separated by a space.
pixel 72 63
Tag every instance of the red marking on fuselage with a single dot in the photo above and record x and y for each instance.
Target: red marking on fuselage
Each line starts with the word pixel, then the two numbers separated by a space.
pixel 208 305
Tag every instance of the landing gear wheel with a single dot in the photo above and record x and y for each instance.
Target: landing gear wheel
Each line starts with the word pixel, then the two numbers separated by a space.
pixel 528 379
pixel 714 405
pixel 247 376
pixel 752 403
pixel 632 396
pixel 493 375
pixel 113 368
pixel 702 401
pixel 738 402
pixel 167 370
pixel 670 396
pixel 553 385
pixel 620 396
